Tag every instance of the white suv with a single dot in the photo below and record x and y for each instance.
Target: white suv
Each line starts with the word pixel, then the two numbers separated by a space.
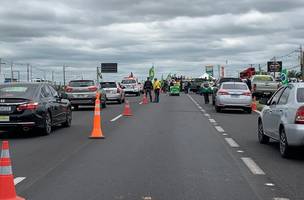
pixel 131 86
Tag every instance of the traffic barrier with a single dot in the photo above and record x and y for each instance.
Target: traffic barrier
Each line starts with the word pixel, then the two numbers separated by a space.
pixel 97 132
pixel 145 100
pixel 127 110
pixel 7 186
pixel 254 104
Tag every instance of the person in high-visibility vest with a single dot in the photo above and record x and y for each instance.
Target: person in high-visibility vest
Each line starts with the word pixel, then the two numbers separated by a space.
pixel 156 88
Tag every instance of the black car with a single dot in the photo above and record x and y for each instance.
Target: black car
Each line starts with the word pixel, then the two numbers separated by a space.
pixel 33 105
pixel 218 84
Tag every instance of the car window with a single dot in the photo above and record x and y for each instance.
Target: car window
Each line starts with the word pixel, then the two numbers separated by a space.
pixel 300 95
pixel 81 83
pixel 17 91
pixel 274 100
pixel 108 85
pixel 284 97
pixel 53 91
pixel 232 86
pixel 45 92
pixel 263 78
pixel 128 81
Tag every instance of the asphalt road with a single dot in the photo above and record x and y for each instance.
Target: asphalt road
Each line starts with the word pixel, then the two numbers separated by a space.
pixel 178 149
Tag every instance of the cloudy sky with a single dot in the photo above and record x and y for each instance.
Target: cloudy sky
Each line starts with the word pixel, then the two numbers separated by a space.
pixel 178 36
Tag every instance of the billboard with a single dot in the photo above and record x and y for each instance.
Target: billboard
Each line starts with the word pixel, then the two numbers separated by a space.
pixel 209 70
pixel 274 66
pixel 108 68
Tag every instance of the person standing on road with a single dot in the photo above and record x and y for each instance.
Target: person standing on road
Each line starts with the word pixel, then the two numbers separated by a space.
pixel 148 86
pixel 156 87
pixel 248 82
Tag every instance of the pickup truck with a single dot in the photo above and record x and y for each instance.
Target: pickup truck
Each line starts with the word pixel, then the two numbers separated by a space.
pixel 263 85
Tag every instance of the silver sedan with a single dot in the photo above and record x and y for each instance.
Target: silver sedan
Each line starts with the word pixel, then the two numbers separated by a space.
pixel 282 118
pixel 233 95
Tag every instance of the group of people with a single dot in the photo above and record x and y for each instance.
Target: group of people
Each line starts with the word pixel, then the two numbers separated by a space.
pixel 149 87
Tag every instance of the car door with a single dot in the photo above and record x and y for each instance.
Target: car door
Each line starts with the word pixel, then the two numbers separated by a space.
pixel 268 112
pixel 59 105
pixel 51 104
pixel 280 111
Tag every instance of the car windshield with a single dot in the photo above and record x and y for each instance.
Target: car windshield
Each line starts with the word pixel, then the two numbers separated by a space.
pixel 81 83
pixel 300 95
pixel 128 81
pixel 108 85
pixel 231 86
pixel 17 91
pixel 230 80
pixel 262 78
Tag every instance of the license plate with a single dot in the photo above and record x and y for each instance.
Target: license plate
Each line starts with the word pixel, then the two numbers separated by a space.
pixel 5 108
pixel 4 119
pixel 81 96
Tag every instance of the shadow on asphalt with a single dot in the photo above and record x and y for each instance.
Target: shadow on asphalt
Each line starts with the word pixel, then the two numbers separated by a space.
pixel 230 111
pixel 295 155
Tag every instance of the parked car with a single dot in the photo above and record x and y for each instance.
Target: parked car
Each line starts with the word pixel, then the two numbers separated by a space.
pixel 27 106
pixel 113 91
pixel 282 118
pixel 218 83
pixel 233 95
pixel 263 85
pixel 83 92
pixel 131 86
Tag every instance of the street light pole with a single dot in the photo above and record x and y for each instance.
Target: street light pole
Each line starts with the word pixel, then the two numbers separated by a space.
pixel 12 73
pixel 0 64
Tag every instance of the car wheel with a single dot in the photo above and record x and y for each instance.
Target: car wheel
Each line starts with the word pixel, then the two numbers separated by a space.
pixel 248 110
pixel 284 148
pixel 119 101
pixel 68 121
pixel 263 139
pixel 47 129
pixel 217 108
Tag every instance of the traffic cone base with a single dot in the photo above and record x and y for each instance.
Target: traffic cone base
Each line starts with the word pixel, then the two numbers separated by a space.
pixel 7 186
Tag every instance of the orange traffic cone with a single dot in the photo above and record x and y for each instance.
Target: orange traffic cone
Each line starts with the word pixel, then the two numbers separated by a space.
pixel 97 132
pixel 145 100
pixel 7 186
pixel 253 104
pixel 127 111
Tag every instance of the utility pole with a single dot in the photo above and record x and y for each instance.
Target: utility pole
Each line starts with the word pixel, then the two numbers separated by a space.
pixel 63 75
pixel 1 64
pixel 31 73
pixel 12 73
pixel 53 77
pixel 97 74
pixel 302 62
pixel 28 72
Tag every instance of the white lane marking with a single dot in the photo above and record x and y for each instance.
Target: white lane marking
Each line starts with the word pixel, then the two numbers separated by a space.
pixel 207 115
pixel 199 107
pixel 18 180
pixel 203 110
pixel 219 129
pixel 252 166
pixel 232 143
pixel 212 120
pixel 224 134
pixel 116 118
pixel 280 198
pixel 140 103
pixel 240 151
pixel 269 184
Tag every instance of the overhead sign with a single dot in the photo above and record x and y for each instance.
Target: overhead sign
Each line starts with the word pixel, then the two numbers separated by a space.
pixel 209 70
pixel 274 66
pixel 108 68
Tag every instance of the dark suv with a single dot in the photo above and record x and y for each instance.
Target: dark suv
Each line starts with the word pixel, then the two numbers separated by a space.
pixel 218 84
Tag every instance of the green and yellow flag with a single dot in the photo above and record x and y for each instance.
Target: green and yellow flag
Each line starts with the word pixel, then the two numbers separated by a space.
pixel 284 77
pixel 151 73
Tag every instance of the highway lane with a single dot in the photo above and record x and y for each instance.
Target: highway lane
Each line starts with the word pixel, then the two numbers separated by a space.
pixel 287 174
pixel 168 150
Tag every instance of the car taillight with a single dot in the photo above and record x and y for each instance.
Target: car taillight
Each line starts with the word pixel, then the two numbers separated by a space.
pixel 254 87
pixel 222 92
pixel 92 88
pixel 28 106
pixel 300 116
pixel 247 93
pixel 68 89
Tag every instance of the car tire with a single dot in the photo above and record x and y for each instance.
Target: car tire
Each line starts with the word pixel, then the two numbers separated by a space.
pixel 119 101
pixel 47 127
pixel 263 139
pixel 248 110
pixel 218 109
pixel 284 147
pixel 68 121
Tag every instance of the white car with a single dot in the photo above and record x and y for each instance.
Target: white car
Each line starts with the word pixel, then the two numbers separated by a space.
pixel 113 91
pixel 131 86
